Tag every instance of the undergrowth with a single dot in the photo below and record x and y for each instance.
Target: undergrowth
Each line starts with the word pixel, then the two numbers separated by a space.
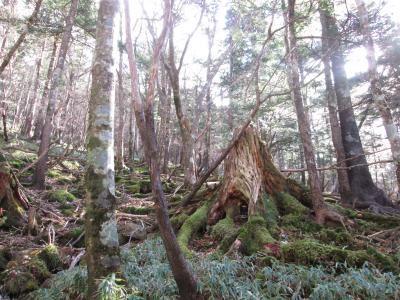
pixel 147 275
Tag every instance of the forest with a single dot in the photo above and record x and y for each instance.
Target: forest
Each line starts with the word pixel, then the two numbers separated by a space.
pixel 199 149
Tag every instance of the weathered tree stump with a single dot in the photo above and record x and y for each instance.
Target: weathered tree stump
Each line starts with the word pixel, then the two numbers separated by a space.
pixel 13 204
pixel 250 176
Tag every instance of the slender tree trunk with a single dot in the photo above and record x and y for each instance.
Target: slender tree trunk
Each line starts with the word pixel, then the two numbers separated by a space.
pixel 39 121
pixel 184 124
pixel 364 190
pixel 343 179
pixel 28 26
pixel 121 110
pixel 27 127
pixel 101 226
pixel 378 95
pixel 41 166
pixel 185 279
pixel 302 120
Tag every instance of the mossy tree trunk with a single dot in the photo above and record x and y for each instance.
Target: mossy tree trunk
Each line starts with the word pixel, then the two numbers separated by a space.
pixel 13 203
pixel 101 226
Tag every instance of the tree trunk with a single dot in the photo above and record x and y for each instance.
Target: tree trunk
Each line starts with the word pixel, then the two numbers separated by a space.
pixel 41 167
pixel 39 121
pixel 364 190
pixel 28 26
pixel 101 235
pixel 27 127
pixel 378 96
pixel 343 178
pixel 121 110
pixel 302 120
pixel 185 127
pixel 184 277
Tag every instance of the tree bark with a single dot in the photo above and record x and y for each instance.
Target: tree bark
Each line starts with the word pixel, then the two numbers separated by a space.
pixel 343 179
pixel 378 95
pixel 185 127
pixel 27 127
pixel 41 167
pixel 101 235
pixel 39 120
pixel 302 120
pixel 28 26
pixel 364 190
pixel 185 279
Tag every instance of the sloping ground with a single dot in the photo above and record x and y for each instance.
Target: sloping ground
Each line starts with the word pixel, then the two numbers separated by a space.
pixel 306 260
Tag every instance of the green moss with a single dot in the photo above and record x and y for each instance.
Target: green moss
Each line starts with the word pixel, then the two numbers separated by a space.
pixel 176 198
pixel 60 196
pixel 384 262
pixel 60 177
pixel 16 163
pixel 24 156
pixel 271 213
pixel 51 257
pixel 223 228
pixel 337 236
pixel 145 186
pixel 137 210
pixel 20 282
pixel 68 212
pixel 311 252
pixel 193 224
pixel 254 235
pixel 39 269
pixel 178 220
pixel 291 205
pixel 133 188
pixel 301 223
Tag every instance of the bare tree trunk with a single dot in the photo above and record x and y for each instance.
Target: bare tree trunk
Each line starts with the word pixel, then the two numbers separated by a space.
pixel 28 26
pixel 343 179
pixel 184 123
pixel 377 94
pixel 302 120
pixel 185 279
pixel 27 127
pixel 121 110
pixel 101 225
pixel 364 190
pixel 41 166
pixel 39 120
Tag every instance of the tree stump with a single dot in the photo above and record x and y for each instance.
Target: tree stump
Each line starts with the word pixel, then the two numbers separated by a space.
pixel 13 203
pixel 250 176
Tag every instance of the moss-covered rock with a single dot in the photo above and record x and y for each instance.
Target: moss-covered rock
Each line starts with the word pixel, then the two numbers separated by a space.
pixel 51 257
pixel 254 235
pixel 20 282
pixel 193 224
pixel 60 196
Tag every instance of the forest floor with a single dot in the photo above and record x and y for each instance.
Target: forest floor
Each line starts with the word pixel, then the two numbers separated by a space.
pixel 359 261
